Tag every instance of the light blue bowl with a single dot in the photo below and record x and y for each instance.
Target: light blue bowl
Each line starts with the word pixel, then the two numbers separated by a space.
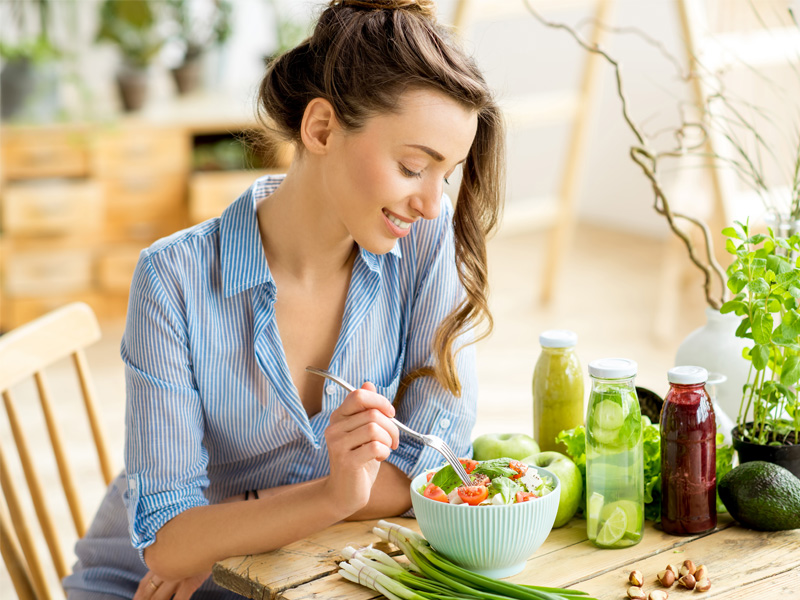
pixel 492 540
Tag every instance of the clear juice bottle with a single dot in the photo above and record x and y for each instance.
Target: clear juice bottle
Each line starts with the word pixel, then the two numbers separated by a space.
pixel 614 456
pixel 688 454
pixel 557 388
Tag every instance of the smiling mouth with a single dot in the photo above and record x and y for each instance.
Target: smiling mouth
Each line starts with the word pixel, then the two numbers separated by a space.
pixel 396 221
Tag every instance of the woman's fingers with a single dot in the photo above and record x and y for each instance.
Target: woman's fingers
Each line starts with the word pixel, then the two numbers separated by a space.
pixel 367 432
pixel 361 407
pixel 364 399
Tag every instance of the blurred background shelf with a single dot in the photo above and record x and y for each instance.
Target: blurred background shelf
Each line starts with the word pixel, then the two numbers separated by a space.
pixel 80 201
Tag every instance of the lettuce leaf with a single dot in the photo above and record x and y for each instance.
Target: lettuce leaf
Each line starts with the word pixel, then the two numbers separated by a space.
pixel 506 488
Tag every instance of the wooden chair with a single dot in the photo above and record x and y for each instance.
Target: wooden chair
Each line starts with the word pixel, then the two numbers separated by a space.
pixel 25 353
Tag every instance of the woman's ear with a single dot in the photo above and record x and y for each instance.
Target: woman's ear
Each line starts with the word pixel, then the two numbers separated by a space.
pixel 319 121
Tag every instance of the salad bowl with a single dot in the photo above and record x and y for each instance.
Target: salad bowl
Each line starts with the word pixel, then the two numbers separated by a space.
pixel 494 540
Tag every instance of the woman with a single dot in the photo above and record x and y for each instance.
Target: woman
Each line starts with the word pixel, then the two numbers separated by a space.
pixel 353 261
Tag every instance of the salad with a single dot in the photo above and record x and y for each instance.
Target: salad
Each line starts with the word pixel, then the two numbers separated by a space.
pixel 496 481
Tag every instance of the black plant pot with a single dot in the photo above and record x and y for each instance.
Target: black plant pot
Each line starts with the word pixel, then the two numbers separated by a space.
pixel 133 87
pixel 787 457
pixel 188 76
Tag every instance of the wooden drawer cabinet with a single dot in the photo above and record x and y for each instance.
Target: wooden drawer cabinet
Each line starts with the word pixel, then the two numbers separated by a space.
pixel 43 272
pixel 44 152
pixel 119 151
pixel 48 206
pixel 211 193
pixel 116 267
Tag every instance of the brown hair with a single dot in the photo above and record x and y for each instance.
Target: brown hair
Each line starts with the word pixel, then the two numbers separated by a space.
pixel 361 57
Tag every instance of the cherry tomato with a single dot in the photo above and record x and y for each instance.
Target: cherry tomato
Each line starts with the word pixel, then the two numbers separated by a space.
pixel 429 476
pixel 469 464
pixel 525 496
pixel 480 479
pixel 520 468
pixel 473 494
pixel 434 492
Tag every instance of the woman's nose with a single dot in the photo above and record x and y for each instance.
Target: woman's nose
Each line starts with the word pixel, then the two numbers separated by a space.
pixel 427 202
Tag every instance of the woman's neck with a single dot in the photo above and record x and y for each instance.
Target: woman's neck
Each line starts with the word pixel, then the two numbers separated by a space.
pixel 301 236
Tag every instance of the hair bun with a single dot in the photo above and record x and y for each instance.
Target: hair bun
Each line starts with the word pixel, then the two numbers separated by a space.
pixel 427 8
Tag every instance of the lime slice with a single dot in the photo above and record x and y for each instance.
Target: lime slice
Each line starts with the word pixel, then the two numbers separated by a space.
pixel 605 436
pixel 608 415
pixel 633 514
pixel 593 507
pixel 613 529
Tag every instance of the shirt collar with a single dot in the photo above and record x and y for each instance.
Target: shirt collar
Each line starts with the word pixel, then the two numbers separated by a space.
pixel 242 257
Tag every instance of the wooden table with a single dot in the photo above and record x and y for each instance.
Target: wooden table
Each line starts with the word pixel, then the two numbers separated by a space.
pixel 743 564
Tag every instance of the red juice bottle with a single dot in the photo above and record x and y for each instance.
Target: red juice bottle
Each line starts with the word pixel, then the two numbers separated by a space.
pixel 688 454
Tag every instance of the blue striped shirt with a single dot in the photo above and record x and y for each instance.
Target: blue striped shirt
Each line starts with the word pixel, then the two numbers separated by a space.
pixel 211 407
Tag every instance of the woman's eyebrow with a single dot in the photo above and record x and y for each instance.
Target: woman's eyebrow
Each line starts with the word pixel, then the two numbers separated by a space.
pixel 431 152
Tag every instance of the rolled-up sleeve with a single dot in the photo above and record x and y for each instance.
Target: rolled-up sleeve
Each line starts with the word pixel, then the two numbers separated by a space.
pixel 427 407
pixel 165 461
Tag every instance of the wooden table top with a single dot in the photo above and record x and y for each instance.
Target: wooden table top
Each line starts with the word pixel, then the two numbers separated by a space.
pixel 742 564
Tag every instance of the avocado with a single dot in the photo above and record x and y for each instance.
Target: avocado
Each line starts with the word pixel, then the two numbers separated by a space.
pixel 762 495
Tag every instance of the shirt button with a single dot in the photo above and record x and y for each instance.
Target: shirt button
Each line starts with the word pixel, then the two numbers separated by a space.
pixel 330 389
pixel 444 423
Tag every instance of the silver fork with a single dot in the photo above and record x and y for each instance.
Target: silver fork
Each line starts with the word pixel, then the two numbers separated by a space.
pixel 433 441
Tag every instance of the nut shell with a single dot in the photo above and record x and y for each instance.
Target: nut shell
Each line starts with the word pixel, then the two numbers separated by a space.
pixel 688 581
pixel 666 577
pixel 636 593
pixel 636 578
pixel 701 573
pixel 688 568
pixel 658 595
pixel 703 585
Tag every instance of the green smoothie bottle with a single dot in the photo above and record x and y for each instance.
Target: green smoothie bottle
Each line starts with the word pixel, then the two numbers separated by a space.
pixel 557 388
pixel 614 456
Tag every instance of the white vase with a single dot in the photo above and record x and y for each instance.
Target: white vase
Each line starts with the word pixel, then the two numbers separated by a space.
pixel 715 347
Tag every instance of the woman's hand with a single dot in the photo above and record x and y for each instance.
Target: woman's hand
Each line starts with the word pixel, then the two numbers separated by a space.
pixel 151 587
pixel 360 436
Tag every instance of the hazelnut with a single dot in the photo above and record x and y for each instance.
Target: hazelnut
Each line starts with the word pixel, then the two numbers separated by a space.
pixel 700 573
pixel 687 568
pixel 675 570
pixel 636 578
pixel 658 595
pixel 688 581
pixel 703 585
pixel 636 593
pixel 666 577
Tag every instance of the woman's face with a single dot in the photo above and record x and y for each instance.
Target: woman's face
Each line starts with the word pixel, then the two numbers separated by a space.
pixel 389 174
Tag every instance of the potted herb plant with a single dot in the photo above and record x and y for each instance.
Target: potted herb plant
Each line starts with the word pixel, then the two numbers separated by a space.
pixel 765 278
pixel 29 77
pixel 132 25
pixel 199 25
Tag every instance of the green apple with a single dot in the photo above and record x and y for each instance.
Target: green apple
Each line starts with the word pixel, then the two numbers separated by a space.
pixel 501 445
pixel 571 482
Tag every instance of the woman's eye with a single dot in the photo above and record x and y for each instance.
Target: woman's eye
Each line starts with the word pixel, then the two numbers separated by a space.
pixel 408 172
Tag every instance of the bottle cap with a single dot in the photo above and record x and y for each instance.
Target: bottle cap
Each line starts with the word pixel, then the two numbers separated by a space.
pixel 558 338
pixel 613 368
pixel 687 375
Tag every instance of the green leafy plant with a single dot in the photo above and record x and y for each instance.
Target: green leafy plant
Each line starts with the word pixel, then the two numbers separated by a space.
pixel 133 26
pixel 198 30
pixel 765 278
pixel 575 441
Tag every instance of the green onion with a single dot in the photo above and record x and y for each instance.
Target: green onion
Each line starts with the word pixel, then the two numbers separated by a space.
pixel 431 576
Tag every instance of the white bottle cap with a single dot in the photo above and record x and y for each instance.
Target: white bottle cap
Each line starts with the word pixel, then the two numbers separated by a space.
pixel 687 375
pixel 558 338
pixel 613 368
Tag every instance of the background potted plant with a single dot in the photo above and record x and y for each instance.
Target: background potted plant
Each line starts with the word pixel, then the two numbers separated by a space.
pixel 133 26
pixel 765 278
pixel 199 26
pixel 677 138
pixel 29 77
